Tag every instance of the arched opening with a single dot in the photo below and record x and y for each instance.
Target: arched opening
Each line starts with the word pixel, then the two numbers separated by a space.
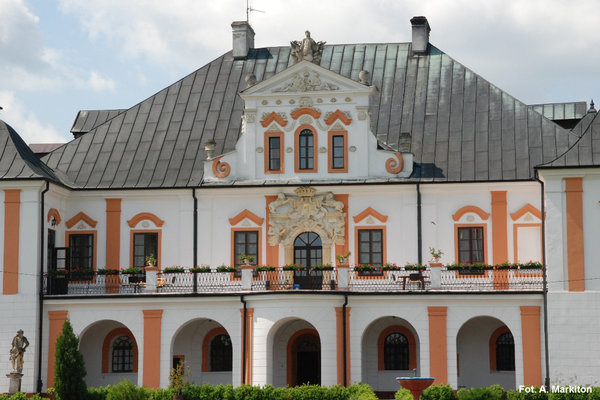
pixel 485 350
pixel 308 249
pixel 304 358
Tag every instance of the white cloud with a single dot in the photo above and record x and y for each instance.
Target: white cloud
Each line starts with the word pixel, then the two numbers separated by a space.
pixel 25 122
pixel 99 83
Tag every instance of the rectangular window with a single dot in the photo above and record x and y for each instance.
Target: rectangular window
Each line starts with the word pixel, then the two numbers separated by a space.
pixel 245 242
pixel 370 246
pixel 81 250
pixel 144 244
pixel 337 152
pixel 274 153
pixel 470 244
pixel 306 150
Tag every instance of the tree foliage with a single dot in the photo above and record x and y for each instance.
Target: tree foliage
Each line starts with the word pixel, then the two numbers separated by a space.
pixel 69 368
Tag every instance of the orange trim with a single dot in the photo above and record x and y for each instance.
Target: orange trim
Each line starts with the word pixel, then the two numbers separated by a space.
pixel 305 110
pixel 94 246
pixel 81 216
pixel 574 217
pixel 113 232
pixel 412 346
pixel 297 149
pixel 273 117
pixel 485 247
pixel 438 353
pixel 152 346
pixel 340 345
pixel 395 165
pixel 532 353
pixel 272 257
pixel 384 240
pixel 232 247
pixel 56 321
pixel 516 240
pixel 206 346
pixel 343 248
pixel 330 136
pixel 247 343
pixel 106 346
pixel 499 227
pixel 246 214
pixel 220 169
pixel 527 208
pixel 338 115
pixel 467 209
pixel 369 211
pixel 12 213
pixel 281 152
pixel 53 212
pixel 292 353
pixel 158 245
pixel 142 216
pixel 492 345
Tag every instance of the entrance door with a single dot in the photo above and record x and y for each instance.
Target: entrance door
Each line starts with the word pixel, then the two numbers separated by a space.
pixel 308 250
pixel 306 362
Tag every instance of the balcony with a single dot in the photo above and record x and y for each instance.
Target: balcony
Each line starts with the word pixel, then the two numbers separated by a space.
pixel 434 280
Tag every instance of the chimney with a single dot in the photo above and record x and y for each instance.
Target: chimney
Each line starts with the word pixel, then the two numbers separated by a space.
pixel 243 39
pixel 420 35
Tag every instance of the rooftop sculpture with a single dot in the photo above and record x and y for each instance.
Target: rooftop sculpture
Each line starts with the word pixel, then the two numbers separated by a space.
pixel 307 49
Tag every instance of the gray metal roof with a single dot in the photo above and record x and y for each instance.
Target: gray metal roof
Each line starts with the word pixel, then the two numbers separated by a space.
pixel 17 161
pixel 86 120
pixel 561 111
pixel 463 128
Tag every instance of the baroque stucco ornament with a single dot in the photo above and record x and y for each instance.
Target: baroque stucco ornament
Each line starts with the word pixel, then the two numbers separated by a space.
pixel 307 49
pixel 306 212
pixel 306 82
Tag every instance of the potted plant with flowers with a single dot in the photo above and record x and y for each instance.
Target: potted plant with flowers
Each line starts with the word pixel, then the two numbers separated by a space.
pixel 151 260
pixel 134 274
pixel 177 382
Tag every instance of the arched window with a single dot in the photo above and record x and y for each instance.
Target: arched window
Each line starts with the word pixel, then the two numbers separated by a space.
pixel 306 155
pixel 220 353
pixel 308 249
pixel 396 352
pixel 122 354
pixel 505 352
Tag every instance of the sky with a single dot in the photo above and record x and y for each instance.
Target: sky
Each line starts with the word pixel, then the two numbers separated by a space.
pixel 61 56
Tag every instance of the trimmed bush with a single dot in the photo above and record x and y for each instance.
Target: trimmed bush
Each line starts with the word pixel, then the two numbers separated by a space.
pixel 403 394
pixel 69 368
pixel 494 392
pixel 125 390
pixel 438 392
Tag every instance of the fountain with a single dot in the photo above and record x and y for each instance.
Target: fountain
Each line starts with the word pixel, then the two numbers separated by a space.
pixel 415 384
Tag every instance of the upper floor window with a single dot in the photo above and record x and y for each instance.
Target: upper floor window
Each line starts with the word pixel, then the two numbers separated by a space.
pixel 306 154
pixel 144 244
pixel 370 246
pixel 245 242
pixel 338 151
pixel 81 249
pixel 274 153
pixel 470 244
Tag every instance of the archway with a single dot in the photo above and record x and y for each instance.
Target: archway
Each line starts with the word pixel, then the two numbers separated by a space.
pixel 485 353
pixel 308 249
pixel 304 358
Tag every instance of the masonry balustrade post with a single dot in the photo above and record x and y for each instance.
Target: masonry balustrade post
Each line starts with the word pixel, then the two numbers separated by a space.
pixel 435 275
pixel 151 279
pixel 247 276
pixel 343 276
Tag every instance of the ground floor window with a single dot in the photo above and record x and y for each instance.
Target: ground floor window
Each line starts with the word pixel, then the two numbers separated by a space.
pixel 505 352
pixel 396 352
pixel 122 354
pixel 220 353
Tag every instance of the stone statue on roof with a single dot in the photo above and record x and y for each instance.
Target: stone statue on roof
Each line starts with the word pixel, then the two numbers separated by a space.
pixel 307 49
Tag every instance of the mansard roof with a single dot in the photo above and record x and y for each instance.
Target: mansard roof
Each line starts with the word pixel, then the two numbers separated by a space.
pixel 17 160
pixel 463 128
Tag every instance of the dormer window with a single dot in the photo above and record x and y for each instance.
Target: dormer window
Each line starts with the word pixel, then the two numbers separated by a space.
pixel 306 156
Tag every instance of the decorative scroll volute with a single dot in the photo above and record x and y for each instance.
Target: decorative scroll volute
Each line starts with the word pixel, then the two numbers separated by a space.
pixel 394 165
pixel 220 169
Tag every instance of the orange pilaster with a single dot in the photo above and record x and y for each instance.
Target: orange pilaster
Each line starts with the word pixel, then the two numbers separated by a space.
pixel 343 248
pixel 113 233
pixel 499 226
pixel 272 251
pixel 574 219
pixel 339 325
pixel 438 352
pixel 532 348
pixel 57 320
pixel 152 338
pixel 12 211
pixel 247 345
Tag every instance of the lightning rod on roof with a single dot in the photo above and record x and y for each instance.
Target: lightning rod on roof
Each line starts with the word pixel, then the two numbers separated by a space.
pixel 249 9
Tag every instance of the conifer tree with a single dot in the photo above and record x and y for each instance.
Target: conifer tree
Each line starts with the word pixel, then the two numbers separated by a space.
pixel 69 368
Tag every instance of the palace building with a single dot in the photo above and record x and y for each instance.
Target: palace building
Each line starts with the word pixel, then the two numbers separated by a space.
pixel 306 192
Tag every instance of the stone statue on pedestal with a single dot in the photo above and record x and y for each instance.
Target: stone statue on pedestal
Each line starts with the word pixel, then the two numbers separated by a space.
pixel 19 344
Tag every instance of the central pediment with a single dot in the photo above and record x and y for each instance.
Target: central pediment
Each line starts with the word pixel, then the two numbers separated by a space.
pixel 304 77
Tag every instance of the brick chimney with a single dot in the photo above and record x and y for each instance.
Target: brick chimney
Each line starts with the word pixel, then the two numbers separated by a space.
pixel 420 35
pixel 243 39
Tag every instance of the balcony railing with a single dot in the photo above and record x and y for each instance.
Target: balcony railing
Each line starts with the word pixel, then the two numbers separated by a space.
pixel 342 279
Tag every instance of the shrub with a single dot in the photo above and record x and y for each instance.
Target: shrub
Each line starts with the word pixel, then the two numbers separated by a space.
pixel 438 392
pixel 494 392
pixel 98 393
pixel 361 391
pixel 403 394
pixel 512 395
pixel 69 369
pixel 125 390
